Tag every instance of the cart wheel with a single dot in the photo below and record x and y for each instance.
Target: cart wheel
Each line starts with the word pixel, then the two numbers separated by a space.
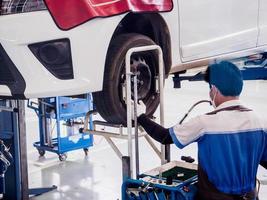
pixel 41 152
pixel 81 130
pixel 62 157
pixel 86 150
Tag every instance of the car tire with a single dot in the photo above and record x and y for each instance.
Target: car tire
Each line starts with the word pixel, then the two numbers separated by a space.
pixel 110 102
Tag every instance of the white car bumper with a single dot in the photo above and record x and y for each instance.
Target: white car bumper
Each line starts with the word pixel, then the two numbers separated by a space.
pixel 89 43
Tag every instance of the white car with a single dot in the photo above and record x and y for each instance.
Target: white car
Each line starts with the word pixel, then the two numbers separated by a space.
pixel 57 47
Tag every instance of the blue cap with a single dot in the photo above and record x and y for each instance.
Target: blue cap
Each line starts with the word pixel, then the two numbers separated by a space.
pixel 226 77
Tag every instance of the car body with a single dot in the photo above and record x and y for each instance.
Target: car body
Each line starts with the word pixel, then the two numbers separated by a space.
pixel 191 34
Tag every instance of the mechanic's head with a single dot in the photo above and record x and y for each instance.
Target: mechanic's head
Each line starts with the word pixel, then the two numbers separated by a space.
pixel 225 80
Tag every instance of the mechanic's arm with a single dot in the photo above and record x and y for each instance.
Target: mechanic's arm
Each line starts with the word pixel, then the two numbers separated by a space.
pixel 181 134
pixel 156 131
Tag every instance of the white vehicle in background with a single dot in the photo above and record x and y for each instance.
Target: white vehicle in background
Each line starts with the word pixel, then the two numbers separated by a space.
pixel 56 47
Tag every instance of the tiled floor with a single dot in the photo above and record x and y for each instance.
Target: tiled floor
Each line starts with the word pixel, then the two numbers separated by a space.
pixel 98 176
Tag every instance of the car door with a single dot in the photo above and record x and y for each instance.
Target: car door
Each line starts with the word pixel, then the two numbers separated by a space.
pixel 213 27
pixel 262 23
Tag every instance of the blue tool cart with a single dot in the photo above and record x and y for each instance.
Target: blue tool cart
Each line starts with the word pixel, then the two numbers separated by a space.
pixel 60 124
pixel 173 181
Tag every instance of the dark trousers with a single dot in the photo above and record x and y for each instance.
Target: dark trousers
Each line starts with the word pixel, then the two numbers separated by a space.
pixel 208 195
pixel 207 191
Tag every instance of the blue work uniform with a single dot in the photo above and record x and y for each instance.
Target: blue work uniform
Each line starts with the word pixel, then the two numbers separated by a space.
pixel 231 145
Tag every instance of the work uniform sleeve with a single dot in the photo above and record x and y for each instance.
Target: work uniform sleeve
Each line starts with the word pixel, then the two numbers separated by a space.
pixel 156 131
pixel 186 133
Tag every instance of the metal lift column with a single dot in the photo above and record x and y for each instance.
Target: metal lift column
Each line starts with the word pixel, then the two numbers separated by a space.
pixel 13 133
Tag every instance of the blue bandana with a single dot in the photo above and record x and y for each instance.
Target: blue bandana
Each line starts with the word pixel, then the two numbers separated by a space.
pixel 226 77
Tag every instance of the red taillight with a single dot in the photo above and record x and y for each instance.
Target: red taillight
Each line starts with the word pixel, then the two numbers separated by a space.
pixel 20 6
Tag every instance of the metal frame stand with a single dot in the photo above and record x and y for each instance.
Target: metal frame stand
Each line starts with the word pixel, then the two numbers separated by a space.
pixel 164 153
pixel 13 133
pixel 129 75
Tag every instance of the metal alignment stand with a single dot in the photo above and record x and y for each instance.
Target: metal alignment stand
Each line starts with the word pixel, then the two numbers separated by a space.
pixel 164 152
pixel 13 135
pixel 129 75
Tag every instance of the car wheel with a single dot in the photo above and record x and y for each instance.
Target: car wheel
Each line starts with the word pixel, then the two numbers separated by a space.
pixel 111 101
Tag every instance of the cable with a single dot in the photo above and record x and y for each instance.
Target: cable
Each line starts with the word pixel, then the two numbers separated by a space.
pixel 192 107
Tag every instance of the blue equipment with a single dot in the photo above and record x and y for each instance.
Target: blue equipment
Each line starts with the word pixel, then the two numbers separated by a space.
pixel 60 124
pixel 175 183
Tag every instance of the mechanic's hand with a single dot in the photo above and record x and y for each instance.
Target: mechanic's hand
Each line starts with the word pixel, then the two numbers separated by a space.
pixel 141 108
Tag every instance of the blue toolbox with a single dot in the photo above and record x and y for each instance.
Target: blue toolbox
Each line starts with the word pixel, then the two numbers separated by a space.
pixel 60 124
pixel 173 181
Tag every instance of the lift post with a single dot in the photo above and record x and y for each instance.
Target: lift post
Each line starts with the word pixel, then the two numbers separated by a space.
pixel 13 134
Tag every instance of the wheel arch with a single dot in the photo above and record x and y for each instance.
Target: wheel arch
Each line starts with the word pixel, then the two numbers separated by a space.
pixel 151 25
